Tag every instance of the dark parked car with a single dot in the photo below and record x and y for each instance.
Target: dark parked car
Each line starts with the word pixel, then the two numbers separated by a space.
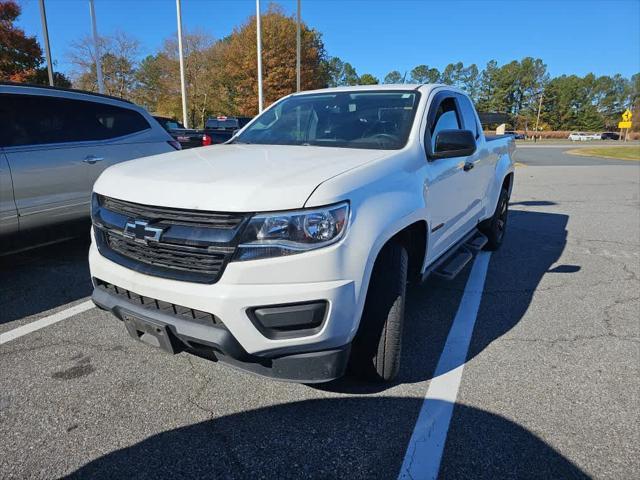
pixel 610 136
pixel 186 137
pixel 216 130
pixel 515 135
pixel 220 129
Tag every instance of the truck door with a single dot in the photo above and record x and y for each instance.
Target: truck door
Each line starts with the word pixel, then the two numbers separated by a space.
pixel 483 160
pixel 450 191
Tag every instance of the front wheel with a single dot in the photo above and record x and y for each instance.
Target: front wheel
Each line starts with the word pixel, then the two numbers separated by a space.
pixel 375 352
pixel 494 228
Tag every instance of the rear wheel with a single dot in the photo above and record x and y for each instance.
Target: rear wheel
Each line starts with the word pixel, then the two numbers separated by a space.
pixel 494 228
pixel 375 352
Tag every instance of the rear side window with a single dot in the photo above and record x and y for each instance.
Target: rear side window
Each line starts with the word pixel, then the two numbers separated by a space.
pixel 222 123
pixel 36 120
pixel 469 115
pixel 169 123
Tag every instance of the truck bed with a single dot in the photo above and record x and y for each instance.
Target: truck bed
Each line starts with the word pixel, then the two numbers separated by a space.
pixel 491 138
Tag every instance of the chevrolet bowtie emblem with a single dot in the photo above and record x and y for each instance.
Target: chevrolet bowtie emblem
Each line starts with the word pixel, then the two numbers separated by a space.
pixel 141 232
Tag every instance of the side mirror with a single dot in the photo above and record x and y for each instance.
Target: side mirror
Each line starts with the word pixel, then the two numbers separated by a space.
pixel 454 143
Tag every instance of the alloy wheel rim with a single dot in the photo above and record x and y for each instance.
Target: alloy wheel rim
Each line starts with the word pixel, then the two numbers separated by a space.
pixel 502 218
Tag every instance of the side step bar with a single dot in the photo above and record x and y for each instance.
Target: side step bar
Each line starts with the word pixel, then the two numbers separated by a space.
pixel 452 262
pixel 477 242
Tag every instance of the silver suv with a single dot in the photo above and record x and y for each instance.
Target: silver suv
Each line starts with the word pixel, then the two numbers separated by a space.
pixel 54 143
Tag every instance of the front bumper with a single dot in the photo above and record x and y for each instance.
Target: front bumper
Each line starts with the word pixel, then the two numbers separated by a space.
pixel 243 287
pixel 217 343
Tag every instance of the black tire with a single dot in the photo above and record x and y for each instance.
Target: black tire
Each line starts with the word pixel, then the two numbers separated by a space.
pixel 375 351
pixel 495 227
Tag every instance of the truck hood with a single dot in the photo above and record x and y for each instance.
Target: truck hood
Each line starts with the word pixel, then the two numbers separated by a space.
pixel 231 178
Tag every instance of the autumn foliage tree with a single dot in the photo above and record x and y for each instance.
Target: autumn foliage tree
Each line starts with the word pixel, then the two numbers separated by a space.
pixel 118 54
pixel 237 74
pixel 200 71
pixel 20 55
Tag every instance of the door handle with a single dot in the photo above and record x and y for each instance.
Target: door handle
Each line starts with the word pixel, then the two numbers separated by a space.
pixel 468 166
pixel 91 159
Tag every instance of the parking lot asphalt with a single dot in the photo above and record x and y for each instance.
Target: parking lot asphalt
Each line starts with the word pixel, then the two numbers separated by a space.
pixel 549 387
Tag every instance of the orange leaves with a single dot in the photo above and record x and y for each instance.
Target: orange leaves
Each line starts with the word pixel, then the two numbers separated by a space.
pixel 238 61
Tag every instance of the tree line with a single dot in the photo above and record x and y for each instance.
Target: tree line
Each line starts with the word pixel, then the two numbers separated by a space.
pixel 221 75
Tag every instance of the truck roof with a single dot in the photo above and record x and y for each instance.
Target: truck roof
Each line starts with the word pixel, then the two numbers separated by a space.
pixel 423 87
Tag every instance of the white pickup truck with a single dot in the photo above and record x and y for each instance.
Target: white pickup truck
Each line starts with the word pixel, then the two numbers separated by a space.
pixel 287 250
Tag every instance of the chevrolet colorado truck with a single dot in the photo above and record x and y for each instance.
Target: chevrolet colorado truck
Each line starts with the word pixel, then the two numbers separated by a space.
pixel 287 250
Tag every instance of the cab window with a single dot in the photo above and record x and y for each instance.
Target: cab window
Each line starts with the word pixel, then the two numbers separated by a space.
pixel 469 115
pixel 447 118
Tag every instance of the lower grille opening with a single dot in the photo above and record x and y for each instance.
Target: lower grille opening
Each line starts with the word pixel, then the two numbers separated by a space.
pixel 149 303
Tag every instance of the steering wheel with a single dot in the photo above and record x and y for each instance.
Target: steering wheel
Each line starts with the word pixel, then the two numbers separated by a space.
pixel 383 138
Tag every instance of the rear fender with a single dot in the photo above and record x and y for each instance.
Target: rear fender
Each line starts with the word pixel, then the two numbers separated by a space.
pixel 504 167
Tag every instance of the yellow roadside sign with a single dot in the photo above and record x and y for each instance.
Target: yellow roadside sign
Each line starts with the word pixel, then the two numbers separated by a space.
pixel 624 124
pixel 626 117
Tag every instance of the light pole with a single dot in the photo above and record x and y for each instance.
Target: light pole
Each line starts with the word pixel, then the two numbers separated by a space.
pixel 47 48
pixel 298 47
pixel 538 117
pixel 259 40
pixel 183 88
pixel 96 46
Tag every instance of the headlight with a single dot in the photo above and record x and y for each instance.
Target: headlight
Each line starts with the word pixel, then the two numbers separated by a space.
pixel 285 233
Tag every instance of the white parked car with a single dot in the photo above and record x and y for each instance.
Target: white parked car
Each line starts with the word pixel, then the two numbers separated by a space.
pixel 581 137
pixel 286 251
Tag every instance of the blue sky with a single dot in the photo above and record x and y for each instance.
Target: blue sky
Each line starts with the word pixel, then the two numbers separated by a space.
pixel 377 36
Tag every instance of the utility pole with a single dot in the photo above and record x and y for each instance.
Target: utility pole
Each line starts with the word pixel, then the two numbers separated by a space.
pixel 96 46
pixel 183 88
pixel 259 40
pixel 538 117
pixel 47 48
pixel 298 48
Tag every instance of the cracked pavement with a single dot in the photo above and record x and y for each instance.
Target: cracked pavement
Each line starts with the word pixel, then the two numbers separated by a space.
pixel 550 388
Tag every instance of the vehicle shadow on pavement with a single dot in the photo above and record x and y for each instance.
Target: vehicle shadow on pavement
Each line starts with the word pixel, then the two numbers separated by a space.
pixel 533 244
pixel 43 278
pixel 357 437
pixel 533 203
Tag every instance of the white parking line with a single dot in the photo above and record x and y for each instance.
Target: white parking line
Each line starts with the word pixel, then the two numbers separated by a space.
pixel 424 452
pixel 45 322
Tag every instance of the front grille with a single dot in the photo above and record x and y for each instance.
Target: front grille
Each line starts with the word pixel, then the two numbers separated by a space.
pixel 160 306
pixel 193 246
pixel 173 216
pixel 178 257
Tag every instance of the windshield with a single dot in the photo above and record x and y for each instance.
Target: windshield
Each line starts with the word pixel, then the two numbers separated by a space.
pixel 378 120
